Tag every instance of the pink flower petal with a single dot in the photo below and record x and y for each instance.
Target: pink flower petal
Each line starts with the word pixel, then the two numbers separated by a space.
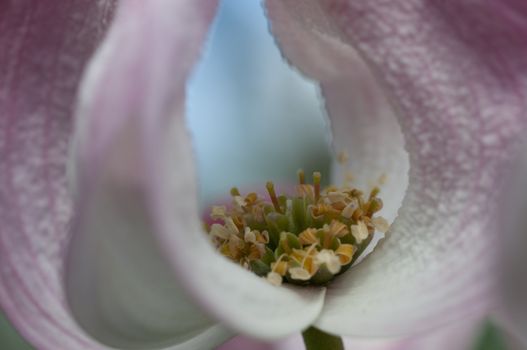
pixel 457 82
pixel 137 191
pixel 44 49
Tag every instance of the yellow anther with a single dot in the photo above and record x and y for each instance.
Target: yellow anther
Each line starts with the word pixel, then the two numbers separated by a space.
pixel 357 213
pixel 374 192
pixel 308 236
pixel 345 253
pixel 279 267
pixel 235 192
pixel 308 260
pixel 348 211
pixel 359 231
pixel 256 251
pixel 338 229
pixel 236 246
pixel 336 197
pixel 249 236
pixel 299 274
pixel 321 209
pixel 219 231
pixel 231 226
pixel 328 257
pixel 274 278
pixel 239 201
pixel 218 212
pixel 251 198
pixel 380 224
pixel 262 237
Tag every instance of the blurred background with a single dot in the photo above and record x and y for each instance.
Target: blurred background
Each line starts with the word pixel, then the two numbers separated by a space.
pixel 243 80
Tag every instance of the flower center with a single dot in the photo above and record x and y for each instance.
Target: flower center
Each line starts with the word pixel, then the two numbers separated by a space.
pixel 306 239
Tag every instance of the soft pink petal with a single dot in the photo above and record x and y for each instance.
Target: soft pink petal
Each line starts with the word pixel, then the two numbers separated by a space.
pixel 45 46
pixel 456 80
pixel 137 191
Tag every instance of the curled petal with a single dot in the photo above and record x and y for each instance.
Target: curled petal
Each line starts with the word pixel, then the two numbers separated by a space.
pixel 45 47
pixel 48 48
pixel 119 286
pixel 457 83
pixel 140 263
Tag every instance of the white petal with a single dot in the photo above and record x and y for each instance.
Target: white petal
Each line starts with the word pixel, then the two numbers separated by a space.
pixel 119 286
pixel 438 261
pixel 138 194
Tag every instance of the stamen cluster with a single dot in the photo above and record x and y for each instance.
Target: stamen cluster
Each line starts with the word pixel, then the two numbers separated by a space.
pixel 307 238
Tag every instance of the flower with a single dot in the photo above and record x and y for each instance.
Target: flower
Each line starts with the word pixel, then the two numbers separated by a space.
pixel 137 272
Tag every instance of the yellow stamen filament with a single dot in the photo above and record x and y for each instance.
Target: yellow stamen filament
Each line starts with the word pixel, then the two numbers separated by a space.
pixel 306 191
pixel 272 195
pixel 316 185
pixel 301 177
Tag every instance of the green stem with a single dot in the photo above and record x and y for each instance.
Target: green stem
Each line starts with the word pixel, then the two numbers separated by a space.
pixel 315 339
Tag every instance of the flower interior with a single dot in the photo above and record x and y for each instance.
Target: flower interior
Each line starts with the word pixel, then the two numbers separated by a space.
pixel 305 239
